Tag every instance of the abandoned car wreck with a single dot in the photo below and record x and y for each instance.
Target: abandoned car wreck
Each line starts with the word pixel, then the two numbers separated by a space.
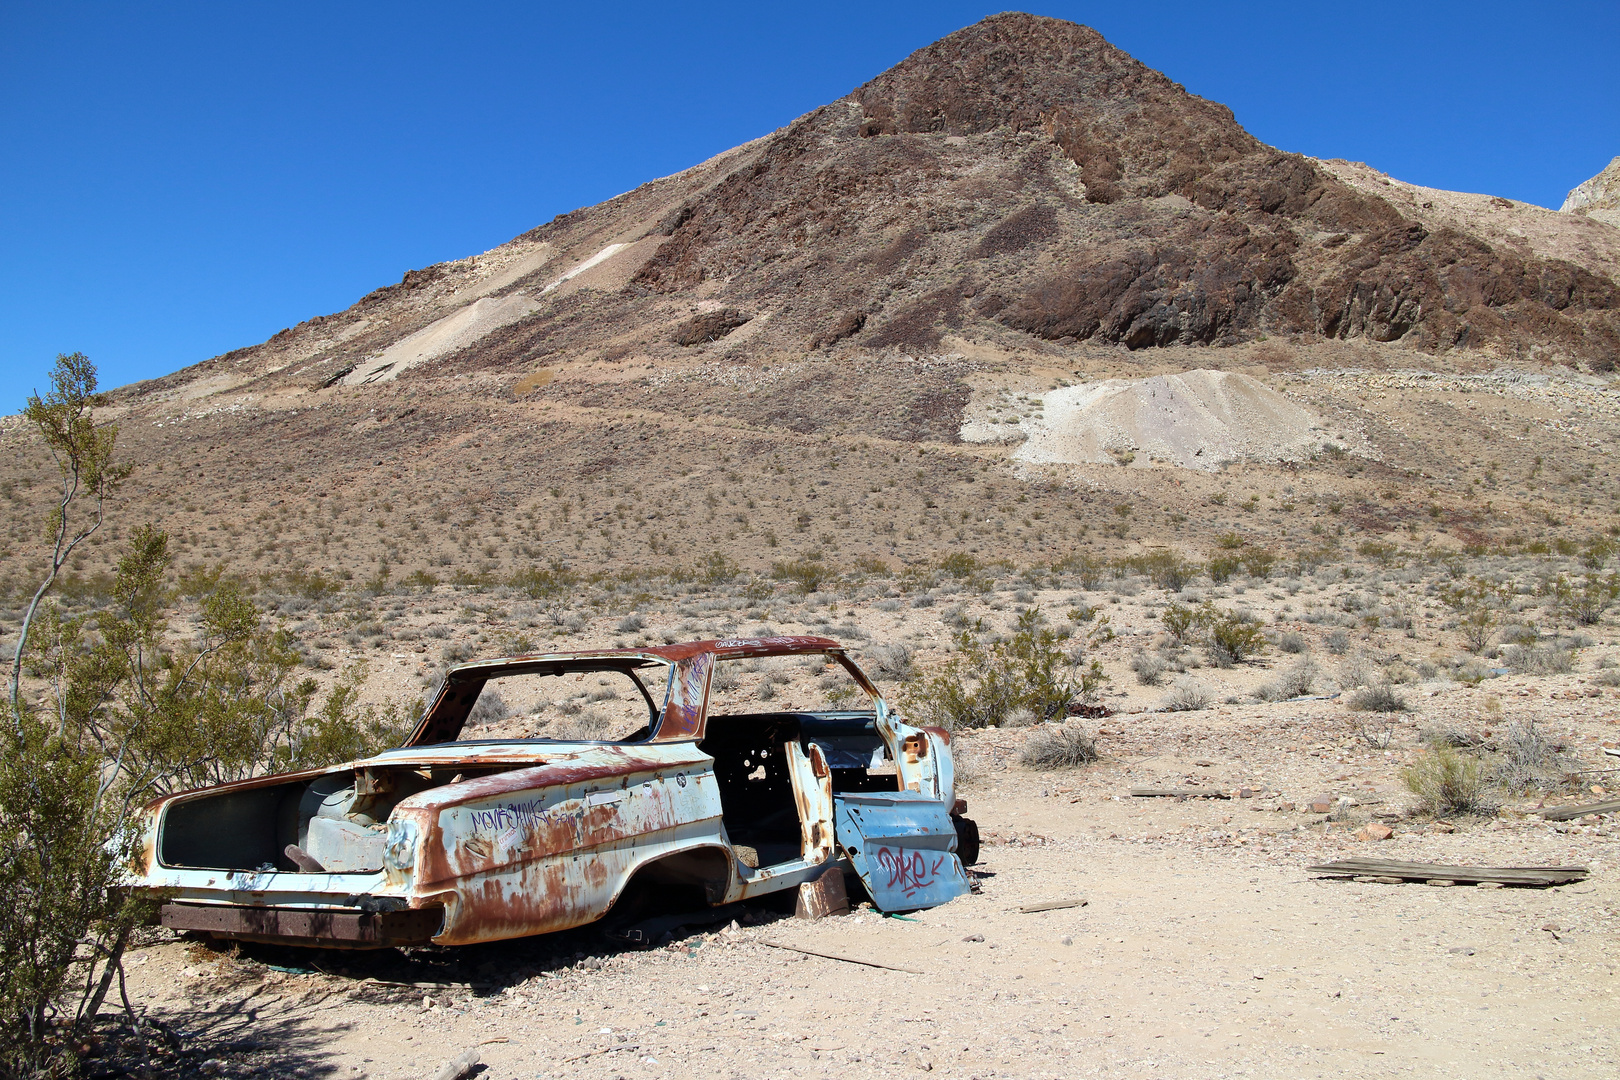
pixel 454 839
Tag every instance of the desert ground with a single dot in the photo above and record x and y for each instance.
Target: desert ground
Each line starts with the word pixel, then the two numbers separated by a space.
pixel 1203 947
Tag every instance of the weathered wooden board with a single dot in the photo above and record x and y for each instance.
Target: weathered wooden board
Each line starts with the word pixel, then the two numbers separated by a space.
pixel 1414 871
pixel 1570 813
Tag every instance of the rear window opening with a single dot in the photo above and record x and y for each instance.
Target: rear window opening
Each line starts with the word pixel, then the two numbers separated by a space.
pixel 591 700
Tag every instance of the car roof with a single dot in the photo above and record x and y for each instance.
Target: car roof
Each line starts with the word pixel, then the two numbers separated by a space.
pixel 737 648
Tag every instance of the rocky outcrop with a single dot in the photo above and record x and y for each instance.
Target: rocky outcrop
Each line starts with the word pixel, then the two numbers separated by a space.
pixel 1599 197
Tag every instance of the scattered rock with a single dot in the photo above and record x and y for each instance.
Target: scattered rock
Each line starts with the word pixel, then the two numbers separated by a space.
pixel 1375 831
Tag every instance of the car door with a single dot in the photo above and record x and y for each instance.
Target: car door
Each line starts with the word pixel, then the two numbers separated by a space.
pixel 903 843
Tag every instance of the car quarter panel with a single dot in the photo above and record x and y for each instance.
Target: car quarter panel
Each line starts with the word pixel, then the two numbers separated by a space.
pixel 550 847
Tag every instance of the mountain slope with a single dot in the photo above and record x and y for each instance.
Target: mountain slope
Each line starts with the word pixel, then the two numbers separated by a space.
pixel 773 352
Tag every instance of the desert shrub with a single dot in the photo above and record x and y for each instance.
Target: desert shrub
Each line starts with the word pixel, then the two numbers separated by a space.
pixel 984 683
pixel 1056 747
pixel 1087 569
pixel 1524 758
pixel 1476 625
pixel 1447 781
pixel 1149 668
pixel 1164 568
pixel 1221 567
pixel 1539 660
pixel 631 623
pixel 1186 696
pixel 808 574
pixel 1294 681
pixel 536 582
pixel 1180 622
pixel 1235 636
pixel 1337 642
pixel 131 708
pixel 1379 697
pixel 891 660
pixel 971 764
pixel 1586 600
pixel 1449 735
pixel 1292 641
pixel 1259 562
pixel 1607 677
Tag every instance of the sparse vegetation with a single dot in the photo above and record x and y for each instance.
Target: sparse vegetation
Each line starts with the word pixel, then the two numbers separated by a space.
pixel 1059 747
pixel 1379 697
pixel 1447 781
pixel 1186 696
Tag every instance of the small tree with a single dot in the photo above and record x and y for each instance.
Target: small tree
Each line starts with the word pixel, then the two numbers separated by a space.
pixel 59 831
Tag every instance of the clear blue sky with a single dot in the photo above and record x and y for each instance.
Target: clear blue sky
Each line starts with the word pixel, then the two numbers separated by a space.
pixel 178 180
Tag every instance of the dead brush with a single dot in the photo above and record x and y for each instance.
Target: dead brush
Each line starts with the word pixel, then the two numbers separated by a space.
pixel 1186 696
pixel 1149 668
pixel 1296 680
pixel 1447 782
pixel 1380 697
pixel 1524 758
pixel 1055 747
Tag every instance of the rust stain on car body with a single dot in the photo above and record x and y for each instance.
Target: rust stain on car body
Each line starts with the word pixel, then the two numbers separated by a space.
pixel 461 842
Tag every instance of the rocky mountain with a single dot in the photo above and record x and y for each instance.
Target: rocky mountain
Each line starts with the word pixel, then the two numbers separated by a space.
pixel 1015 206
pixel 1598 197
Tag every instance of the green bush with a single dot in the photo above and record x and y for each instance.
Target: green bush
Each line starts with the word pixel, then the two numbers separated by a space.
pixel 1380 697
pixel 1447 781
pixel 1235 636
pixel 1164 568
pixel 1221 568
pixel 1586 600
pixel 984 685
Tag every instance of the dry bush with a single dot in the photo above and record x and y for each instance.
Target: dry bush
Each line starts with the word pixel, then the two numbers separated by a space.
pixel 1294 681
pixel 1059 748
pixel 891 660
pixel 1524 758
pixel 1454 737
pixel 1149 668
pixel 1446 782
pixel 1607 677
pixel 971 765
pixel 1292 641
pixel 1186 696
pixel 1539 660
pixel 1380 697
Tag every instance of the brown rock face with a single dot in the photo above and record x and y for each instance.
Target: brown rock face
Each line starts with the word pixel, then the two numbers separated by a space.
pixel 1067 191
pixel 1021 179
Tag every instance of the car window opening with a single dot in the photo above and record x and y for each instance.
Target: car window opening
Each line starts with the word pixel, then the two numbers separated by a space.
pixel 758 705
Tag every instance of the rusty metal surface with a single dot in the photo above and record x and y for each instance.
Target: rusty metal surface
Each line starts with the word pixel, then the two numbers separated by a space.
pixel 530 836
pixel 375 929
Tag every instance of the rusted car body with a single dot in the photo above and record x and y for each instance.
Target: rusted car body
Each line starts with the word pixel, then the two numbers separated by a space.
pixel 453 841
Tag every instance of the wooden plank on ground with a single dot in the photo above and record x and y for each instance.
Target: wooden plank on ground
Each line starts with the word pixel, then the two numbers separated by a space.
pixel 1569 813
pixel 1414 871
pixel 1178 793
pixel 1053 905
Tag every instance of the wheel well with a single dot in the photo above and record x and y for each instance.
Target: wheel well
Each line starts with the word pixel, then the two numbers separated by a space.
pixel 708 868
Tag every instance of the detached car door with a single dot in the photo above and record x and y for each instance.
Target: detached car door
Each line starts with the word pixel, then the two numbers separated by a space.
pixel 903 843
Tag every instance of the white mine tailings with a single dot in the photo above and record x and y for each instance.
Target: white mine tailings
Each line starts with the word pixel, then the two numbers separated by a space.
pixel 1196 420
